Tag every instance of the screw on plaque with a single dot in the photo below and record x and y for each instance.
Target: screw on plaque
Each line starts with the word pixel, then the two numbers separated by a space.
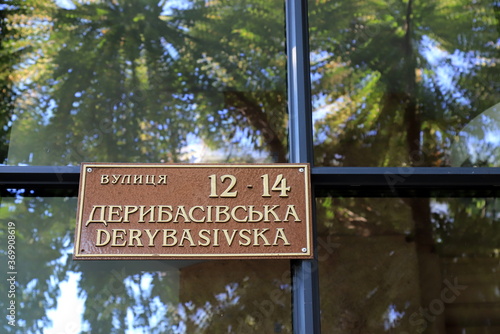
pixel 89 170
pixel 304 250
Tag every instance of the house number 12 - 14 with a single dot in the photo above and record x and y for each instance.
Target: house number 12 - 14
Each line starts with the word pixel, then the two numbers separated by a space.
pixel 279 185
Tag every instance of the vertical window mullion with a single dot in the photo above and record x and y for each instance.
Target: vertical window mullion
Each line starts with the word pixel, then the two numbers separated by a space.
pixel 305 293
pixel 299 87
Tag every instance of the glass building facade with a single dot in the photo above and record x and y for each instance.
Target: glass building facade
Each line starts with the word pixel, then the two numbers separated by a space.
pixel 395 104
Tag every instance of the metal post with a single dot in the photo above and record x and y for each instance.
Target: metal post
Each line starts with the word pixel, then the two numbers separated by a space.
pixel 305 272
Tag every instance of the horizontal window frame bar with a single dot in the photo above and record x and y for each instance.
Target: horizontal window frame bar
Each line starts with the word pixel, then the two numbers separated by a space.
pixel 334 178
pixel 406 181
pixel 39 176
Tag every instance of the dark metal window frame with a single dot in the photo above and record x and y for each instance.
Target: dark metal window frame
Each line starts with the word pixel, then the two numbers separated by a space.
pixel 337 181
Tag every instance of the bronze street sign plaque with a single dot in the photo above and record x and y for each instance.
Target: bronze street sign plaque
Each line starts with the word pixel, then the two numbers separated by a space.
pixel 197 211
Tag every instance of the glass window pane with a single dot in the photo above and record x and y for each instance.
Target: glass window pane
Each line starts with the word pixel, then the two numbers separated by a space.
pixel 405 83
pixel 53 294
pixel 143 81
pixel 409 265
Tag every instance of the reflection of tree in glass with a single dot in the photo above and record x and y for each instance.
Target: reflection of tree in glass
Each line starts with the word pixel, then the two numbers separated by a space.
pixel 393 85
pixel 8 58
pixel 478 142
pixel 394 82
pixel 141 80
pixel 368 265
pixel 244 296
pixel 467 226
pixel 43 240
pixel 141 296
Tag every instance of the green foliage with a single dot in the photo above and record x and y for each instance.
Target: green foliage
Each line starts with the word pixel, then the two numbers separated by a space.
pixel 143 80
pixel 400 79
pixel 41 248
pixel 9 57
pixel 149 296
pixel 467 226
